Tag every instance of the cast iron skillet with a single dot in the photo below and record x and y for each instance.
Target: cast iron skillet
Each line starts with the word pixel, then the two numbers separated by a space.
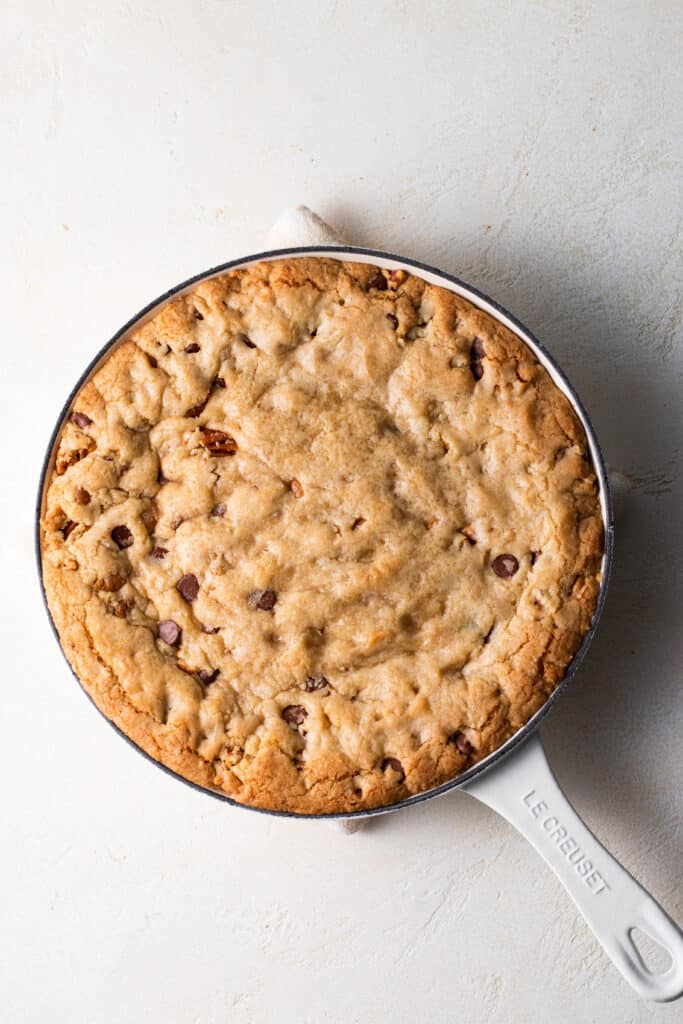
pixel 516 779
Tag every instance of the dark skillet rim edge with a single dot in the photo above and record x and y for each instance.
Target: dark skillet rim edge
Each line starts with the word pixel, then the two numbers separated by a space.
pixel 598 464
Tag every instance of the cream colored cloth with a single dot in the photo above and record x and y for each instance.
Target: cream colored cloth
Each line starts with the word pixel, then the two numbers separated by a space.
pixel 297 225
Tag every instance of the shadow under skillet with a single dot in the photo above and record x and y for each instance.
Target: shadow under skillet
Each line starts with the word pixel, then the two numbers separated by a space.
pixel 605 735
pixel 614 737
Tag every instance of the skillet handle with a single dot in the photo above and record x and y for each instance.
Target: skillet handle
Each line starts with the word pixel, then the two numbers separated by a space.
pixel 524 790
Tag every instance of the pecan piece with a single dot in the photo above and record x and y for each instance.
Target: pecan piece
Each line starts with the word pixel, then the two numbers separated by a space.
pixel 68 527
pixel 66 459
pixel 217 442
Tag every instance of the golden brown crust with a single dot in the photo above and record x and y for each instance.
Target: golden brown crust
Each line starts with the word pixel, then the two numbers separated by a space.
pixel 356 497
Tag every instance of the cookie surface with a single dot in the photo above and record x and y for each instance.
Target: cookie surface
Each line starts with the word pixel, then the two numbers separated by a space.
pixel 321 536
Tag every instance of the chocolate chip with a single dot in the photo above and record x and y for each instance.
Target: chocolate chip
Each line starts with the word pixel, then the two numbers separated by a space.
pixel 477 350
pixel 505 566
pixel 219 382
pixel 264 600
pixel 80 419
pixel 196 410
pixel 188 586
pixel 192 348
pixel 211 630
pixel 218 511
pixel 159 552
pixel 198 315
pixel 294 714
pixel 110 584
pixel 477 353
pixel 217 442
pixel 378 281
pixel 122 537
pixel 170 632
pixel 207 676
pixel 462 743
pixel 296 488
pixel 358 521
pixel 247 341
pixel 395 765
pixel 393 320
pixel 82 497
pixel 314 332
pixel 316 683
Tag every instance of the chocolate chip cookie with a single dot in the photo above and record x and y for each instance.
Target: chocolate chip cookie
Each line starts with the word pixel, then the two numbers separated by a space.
pixel 320 536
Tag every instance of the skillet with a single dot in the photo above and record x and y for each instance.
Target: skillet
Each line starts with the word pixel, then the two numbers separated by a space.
pixel 516 779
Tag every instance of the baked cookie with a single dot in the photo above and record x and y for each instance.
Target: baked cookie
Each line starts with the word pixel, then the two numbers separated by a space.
pixel 320 536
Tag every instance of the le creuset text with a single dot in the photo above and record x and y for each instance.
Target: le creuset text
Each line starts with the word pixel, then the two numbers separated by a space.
pixel 565 843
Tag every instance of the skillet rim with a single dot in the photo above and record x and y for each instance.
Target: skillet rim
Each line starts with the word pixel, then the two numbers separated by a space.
pixel 557 374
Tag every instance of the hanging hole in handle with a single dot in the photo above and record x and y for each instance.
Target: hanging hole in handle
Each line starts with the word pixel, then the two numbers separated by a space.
pixel 653 957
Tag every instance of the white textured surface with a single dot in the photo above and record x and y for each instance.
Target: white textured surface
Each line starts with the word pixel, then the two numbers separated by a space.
pixel 529 147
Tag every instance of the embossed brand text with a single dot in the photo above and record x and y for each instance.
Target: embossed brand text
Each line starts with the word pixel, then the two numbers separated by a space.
pixel 567 845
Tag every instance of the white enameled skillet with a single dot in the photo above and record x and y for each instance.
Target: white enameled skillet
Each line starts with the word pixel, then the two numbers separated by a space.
pixel 515 780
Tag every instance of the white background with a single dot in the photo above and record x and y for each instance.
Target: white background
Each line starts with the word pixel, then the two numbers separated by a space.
pixel 530 147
